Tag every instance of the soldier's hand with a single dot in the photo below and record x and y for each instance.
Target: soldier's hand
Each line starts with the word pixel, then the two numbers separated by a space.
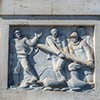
pixel 40 34
pixel 61 55
pixel 90 63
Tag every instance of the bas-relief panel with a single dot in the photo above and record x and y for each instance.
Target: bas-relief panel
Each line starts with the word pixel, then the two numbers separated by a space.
pixel 50 58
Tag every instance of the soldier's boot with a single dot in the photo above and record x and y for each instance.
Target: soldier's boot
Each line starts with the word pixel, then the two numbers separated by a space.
pixel 89 78
pixel 30 73
pixel 75 82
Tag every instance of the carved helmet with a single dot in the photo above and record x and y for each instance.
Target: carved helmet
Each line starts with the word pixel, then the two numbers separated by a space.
pixel 17 31
pixel 74 34
pixel 54 29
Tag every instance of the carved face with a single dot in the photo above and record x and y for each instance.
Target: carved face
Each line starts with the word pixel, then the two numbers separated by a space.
pixel 17 34
pixel 54 32
pixel 74 39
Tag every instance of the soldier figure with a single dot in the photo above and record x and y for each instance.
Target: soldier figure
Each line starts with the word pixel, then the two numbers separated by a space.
pixel 23 48
pixel 82 50
pixel 57 42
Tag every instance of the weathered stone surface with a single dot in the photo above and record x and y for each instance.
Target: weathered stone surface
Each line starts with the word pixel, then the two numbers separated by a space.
pixel 7 7
pixel 45 95
pixel 97 55
pixel 5 94
pixel 22 11
pixel 4 30
pixel 50 7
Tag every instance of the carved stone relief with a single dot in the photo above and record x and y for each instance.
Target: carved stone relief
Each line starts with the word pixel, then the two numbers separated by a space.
pixel 51 58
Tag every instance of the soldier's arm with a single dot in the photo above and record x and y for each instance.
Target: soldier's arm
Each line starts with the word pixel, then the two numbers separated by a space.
pixel 65 50
pixel 89 53
pixel 52 45
pixel 89 41
pixel 64 45
pixel 88 50
pixel 70 49
pixel 34 40
pixel 28 42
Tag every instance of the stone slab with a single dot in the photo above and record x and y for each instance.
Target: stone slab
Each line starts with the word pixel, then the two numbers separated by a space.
pixel 7 94
pixel 51 22
pixel 4 29
pixel 6 7
pixel 45 95
pixel 97 56
pixel 49 7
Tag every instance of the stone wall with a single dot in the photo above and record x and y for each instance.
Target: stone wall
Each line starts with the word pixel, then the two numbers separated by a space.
pixel 44 14
pixel 50 7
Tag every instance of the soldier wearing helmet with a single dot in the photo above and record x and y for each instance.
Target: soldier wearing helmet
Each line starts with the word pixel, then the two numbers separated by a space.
pixel 82 50
pixel 23 48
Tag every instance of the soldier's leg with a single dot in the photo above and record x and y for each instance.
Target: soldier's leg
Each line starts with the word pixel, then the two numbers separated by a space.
pixel 24 63
pixel 74 81
pixel 54 60
pixel 59 70
pixel 88 74
pixel 31 77
pixel 73 68
pixel 54 63
pixel 17 73
pixel 26 66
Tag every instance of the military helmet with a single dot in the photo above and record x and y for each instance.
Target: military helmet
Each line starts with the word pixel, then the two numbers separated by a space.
pixel 74 34
pixel 17 31
pixel 54 29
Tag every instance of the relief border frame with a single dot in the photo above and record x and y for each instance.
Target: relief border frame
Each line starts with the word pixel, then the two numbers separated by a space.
pixel 4 45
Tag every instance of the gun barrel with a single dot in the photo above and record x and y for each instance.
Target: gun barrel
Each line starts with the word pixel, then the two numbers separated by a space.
pixel 67 55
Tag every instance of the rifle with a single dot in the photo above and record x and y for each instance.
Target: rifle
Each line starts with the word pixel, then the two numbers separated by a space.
pixel 68 56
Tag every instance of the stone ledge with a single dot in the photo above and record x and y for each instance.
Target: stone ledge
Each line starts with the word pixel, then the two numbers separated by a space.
pixel 50 22
pixel 45 95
